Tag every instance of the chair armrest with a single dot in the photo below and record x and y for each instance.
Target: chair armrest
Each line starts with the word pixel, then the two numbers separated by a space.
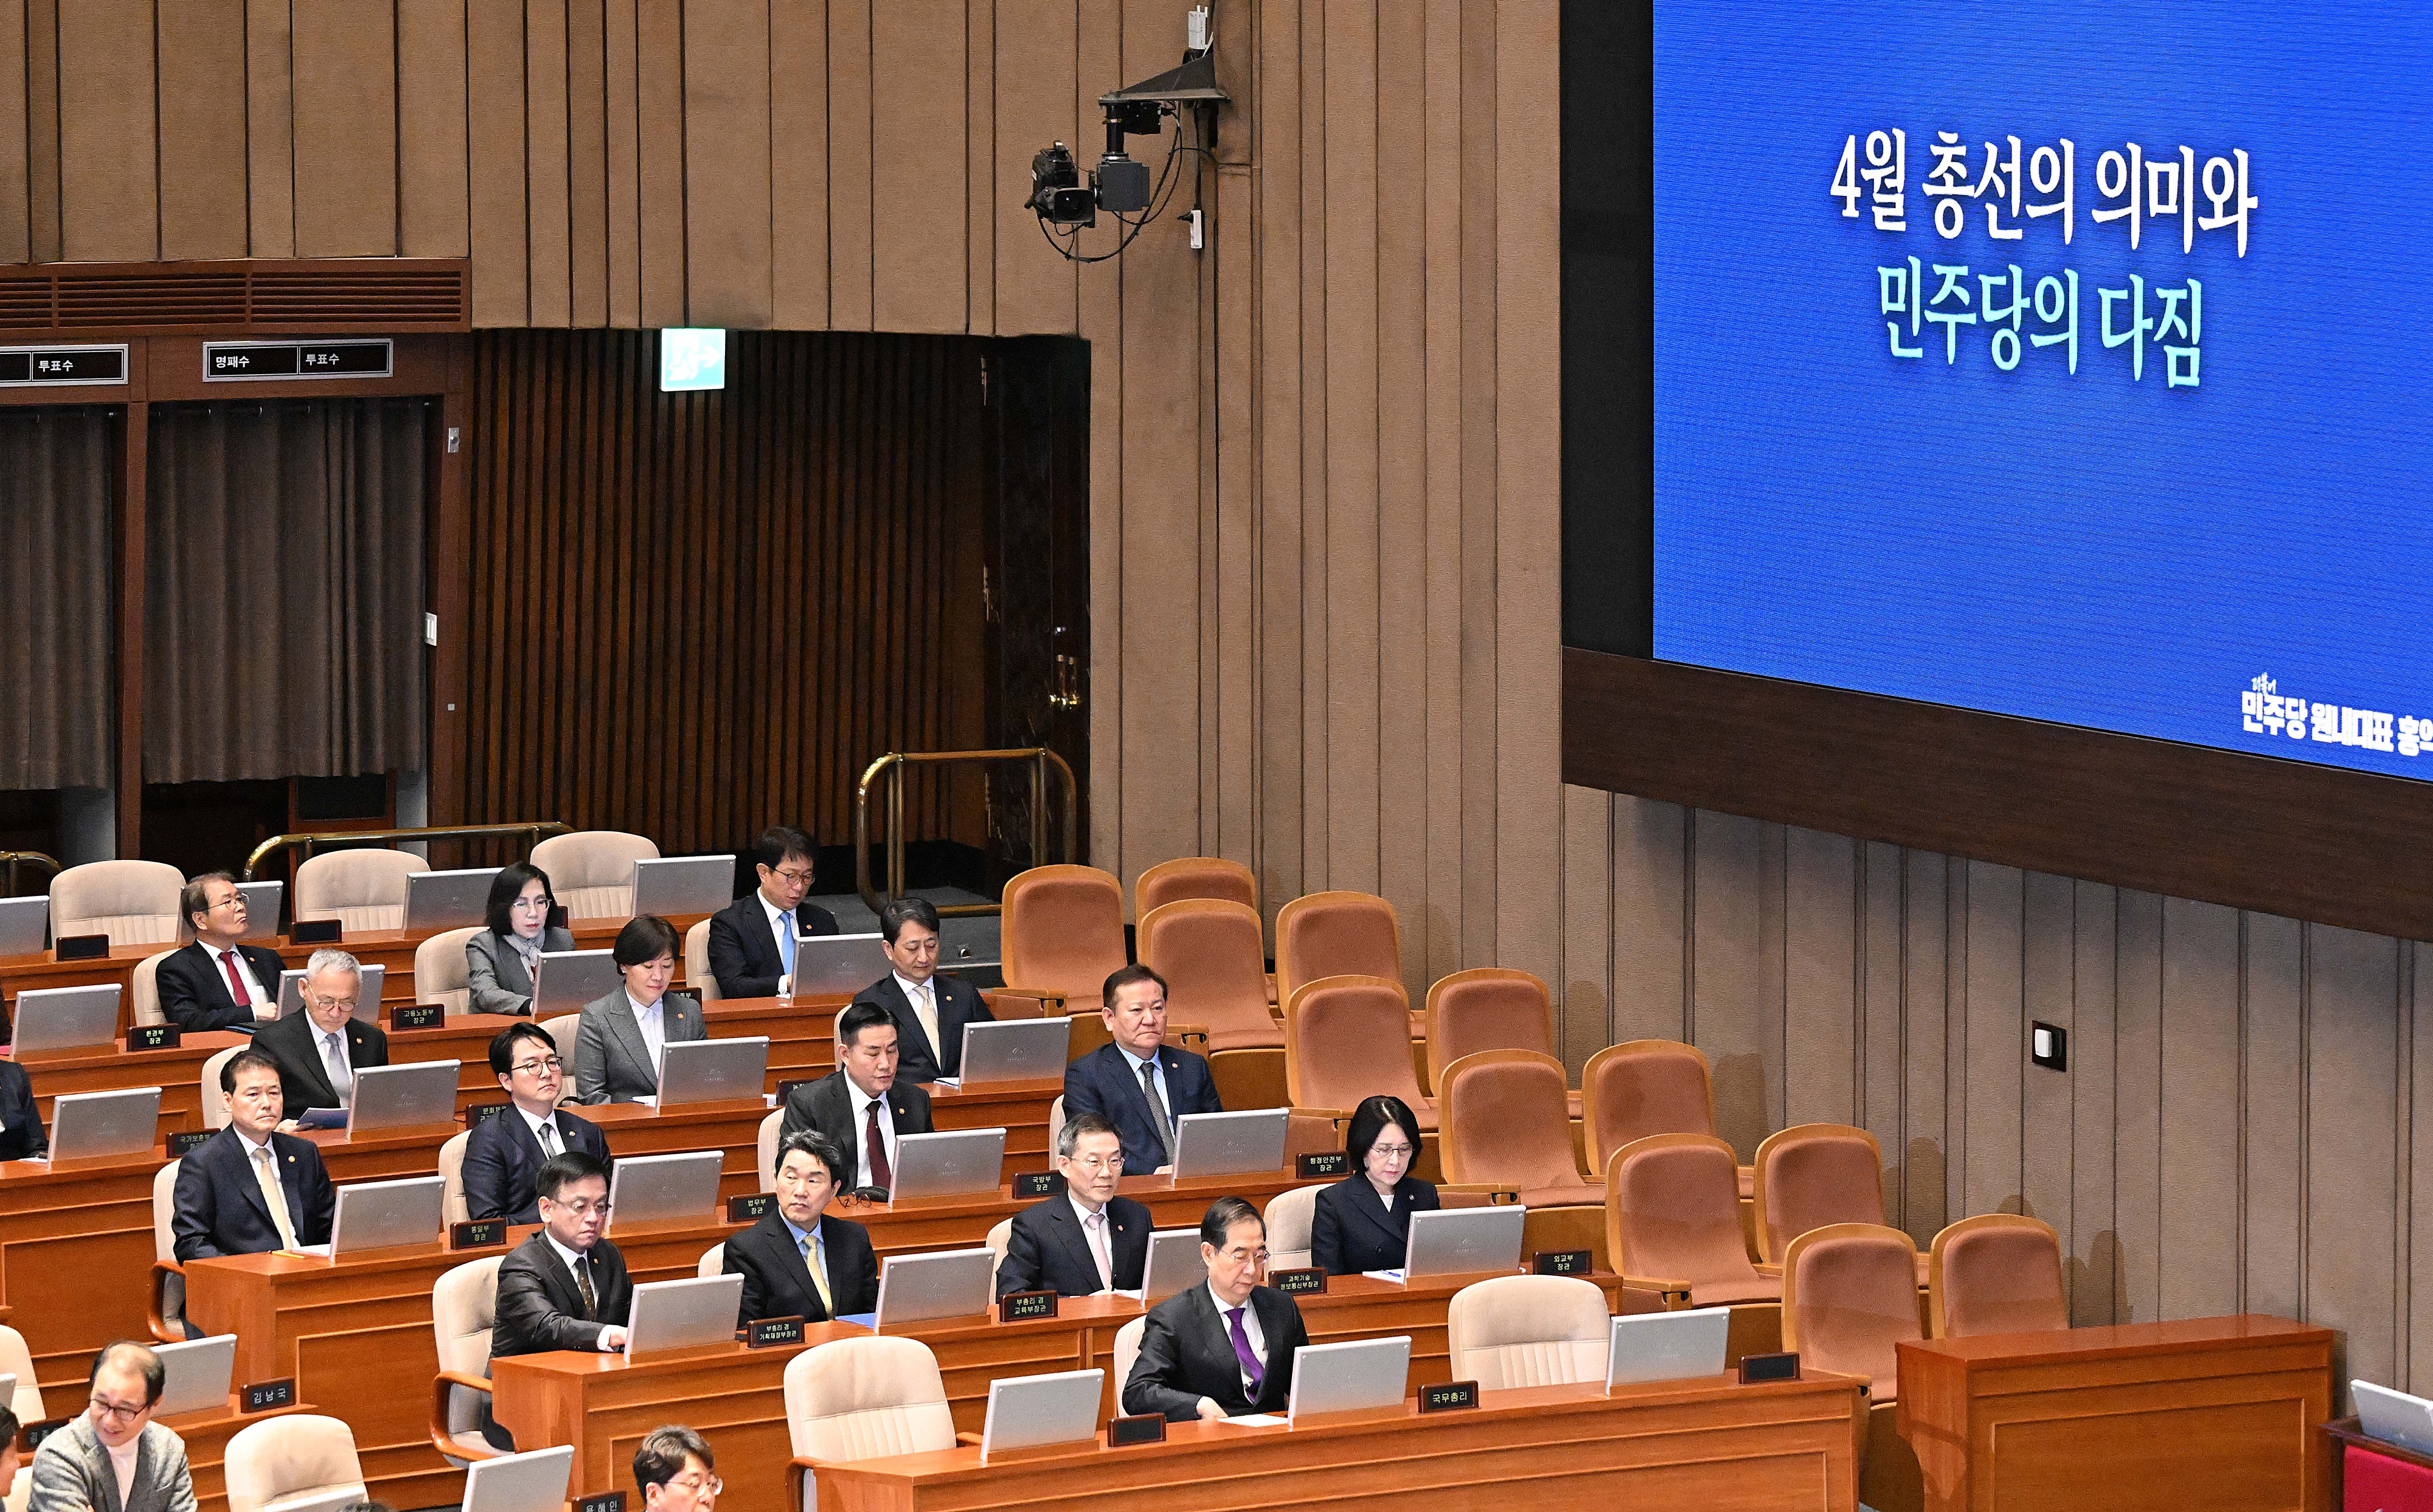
pixel 1191 1036
pixel 1044 996
pixel 1496 1195
pixel 971 1439
pixel 1338 1115
pixel 1769 1269
pixel 442 1437
pixel 161 1328
pixel 1674 1291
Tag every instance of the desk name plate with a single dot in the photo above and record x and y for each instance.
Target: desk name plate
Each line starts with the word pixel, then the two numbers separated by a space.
pixel 1147 1428
pixel 766 1332
pixel 417 1016
pixel 1017 1306
pixel 1309 1280
pixel 605 1502
pixel 1323 1163
pixel 188 1140
pixel 1037 1184
pixel 1562 1262
pixel 81 948
pixel 153 1037
pixel 481 1234
pixel 1449 1396
pixel 751 1207
pixel 264 1395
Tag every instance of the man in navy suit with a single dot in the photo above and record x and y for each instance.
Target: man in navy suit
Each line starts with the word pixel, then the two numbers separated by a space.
pixel 218 982
pixel 801 1260
pixel 752 939
pixel 1085 1239
pixel 1139 1083
pixel 929 1010
pixel 249 1189
pixel 503 1155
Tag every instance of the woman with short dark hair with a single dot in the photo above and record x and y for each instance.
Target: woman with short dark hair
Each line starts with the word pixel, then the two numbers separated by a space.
pixel 1363 1222
pixel 501 960
pixel 622 1037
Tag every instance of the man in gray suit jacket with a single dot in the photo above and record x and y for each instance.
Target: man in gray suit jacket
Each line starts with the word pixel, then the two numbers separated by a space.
pixel 618 1042
pixel 115 1458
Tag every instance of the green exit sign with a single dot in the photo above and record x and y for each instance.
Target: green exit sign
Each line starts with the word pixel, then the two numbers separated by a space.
pixel 691 357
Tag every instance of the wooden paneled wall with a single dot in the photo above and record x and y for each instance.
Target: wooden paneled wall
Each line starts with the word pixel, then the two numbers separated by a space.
pixel 2237 1130
pixel 696 615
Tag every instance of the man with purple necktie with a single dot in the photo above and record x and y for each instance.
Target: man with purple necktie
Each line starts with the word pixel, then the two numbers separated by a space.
pixel 1225 1349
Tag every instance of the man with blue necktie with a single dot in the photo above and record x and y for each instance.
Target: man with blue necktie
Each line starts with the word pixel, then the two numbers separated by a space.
pixel 751 941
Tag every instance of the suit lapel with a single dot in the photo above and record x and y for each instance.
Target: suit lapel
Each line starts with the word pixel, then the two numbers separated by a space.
pixel 1069 1232
pixel 101 1472
pixel 1373 1212
pixel 908 1023
pixel 247 1183
pixel 315 1066
pixel 628 1034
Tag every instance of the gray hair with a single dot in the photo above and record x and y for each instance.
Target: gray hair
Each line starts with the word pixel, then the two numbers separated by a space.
pixel 326 958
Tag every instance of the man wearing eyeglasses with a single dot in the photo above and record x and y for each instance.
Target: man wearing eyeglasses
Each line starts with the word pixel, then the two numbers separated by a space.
pixel 677 1471
pixel 752 939
pixel 1227 1348
pixel 504 1153
pixel 115 1455
pixel 320 1049
pixel 1087 1240
pixel 561 1288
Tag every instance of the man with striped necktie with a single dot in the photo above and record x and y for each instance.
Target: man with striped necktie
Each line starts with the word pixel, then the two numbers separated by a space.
pixel 565 1287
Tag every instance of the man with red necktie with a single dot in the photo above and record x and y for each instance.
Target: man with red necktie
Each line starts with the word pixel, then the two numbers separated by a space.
pixel 218 982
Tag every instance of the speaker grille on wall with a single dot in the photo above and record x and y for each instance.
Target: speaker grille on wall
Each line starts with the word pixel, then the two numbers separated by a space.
pixel 325 297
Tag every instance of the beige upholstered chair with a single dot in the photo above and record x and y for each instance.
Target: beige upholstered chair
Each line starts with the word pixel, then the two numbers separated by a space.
pixel 1996 1273
pixel 286 1460
pixel 1643 1087
pixel 696 963
pixel 1127 1350
pixel 439 973
pixel 770 1129
pixel 1528 1330
pixel 453 1207
pixel 1810 1176
pixel 215 1104
pixel 463 1304
pixel 168 1305
pixel 1347 1038
pixel 1673 1222
pixel 999 1236
pixel 1289 1215
pixel 1055 1119
pixel 135 903
pixel 591 872
pixel 144 993
pixel 16 1360
pixel 562 1030
pixel 863 1397
pixel 360 889
pixel 713 1261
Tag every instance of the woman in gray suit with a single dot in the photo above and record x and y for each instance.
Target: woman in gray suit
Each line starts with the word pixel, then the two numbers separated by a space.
pixel 617 1045
pixel 499 961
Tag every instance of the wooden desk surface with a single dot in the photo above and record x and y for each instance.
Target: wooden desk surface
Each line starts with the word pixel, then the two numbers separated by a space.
pixel 2214 1412
pixel 603 1404
pixel 1711 1444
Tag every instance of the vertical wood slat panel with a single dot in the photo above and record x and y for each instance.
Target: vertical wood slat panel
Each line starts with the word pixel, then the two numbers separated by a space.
pixel 1995 1027
pixel 203 126
pixel 2048 963
pixel 1349 292
pixel 2094 1260
pixel 1481 712
pixel 16 232
pixel 1649 911
pixel 798 162
pixel 2273 1104
pixel 727 161
pixel 2352 1146
pixel 1103 297
pixel 1400 399
pixel 1440 364
pixel 1926 1032
pixel 852 163
pixel 658 53
pixel 919 268
pixel 270 128
pixel 545 168
pixel 621 118
pixel 433 176
pixel 1820 978
pixel 109 208
pixel 586 162
pixel 1728 1020
pixel 2201 1014
pixel 1276 201
pixel 346 128
pixel 1584 997
pixel 498 213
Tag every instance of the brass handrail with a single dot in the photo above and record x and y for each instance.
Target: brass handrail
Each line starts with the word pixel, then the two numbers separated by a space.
pixel 12 858
pixel 894 764
pixel 534 827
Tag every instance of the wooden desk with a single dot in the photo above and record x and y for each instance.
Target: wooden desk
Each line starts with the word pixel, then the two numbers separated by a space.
pixel 602 1405
pixel 76 1262
pixel 1710 1444
pixel 2214 1412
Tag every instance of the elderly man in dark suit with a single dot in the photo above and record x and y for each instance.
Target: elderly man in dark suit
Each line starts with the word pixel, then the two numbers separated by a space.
pixel 250 1189
pixel 320 1049
pixel 752 939
pixel 929 1009
pixel 565 1287
pixel 504 1154
pixel 218 982
pixel 1085 1239
pixel 1225 1349
pixel 802 1260
pixel 845 1105
pixel 1139 1083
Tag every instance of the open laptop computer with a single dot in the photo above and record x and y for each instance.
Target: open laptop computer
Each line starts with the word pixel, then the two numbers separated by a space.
pixel 1667 1345
pixel 24 925
pixel 1464 1241
pixel 261 901
pixel 1357 1375
pixel 660 1188
pixel 572 980
pixel 1031 1411
pixel 1014 1049
pixel 683 1314
pixel 534 1481
pixel 837 963
pixel 196 1375
pixel 694 1071
pixel 414 1095
pixel 91 1126
pixel 1174 1264
pixel 56 1020
pixel 386 1215
pixel 1234 1144
pixel 683 884
pixel 368 993
pixel 952 1164
pixel 2393 1416
pixel 949 1283
pixel 447 900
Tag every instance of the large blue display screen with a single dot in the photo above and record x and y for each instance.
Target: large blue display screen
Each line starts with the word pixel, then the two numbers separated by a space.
pixel 2054 358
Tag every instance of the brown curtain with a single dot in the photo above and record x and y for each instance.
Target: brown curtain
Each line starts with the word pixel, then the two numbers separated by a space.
pixel 55 618
pixel 284 562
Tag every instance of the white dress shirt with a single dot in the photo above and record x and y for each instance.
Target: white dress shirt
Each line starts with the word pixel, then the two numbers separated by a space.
pixel 1102 1248
pixel 861 1103
pixel 219 968
pixel 1250 1331
pixel 923 999
pixel 652 1021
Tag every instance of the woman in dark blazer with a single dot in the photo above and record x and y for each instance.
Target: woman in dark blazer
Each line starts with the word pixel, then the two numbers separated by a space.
pixel 1363 1222
pixel 20 1122
pixel 499 961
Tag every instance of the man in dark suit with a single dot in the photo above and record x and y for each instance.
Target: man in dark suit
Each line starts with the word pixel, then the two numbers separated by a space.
pixel 752 939
pixel 504 1154
pixel 1139 1083
pixel 801 1260
pixel 929 1010
pixel 1087 1240
pixel 218 982
pixel 1225 1349
pixel 250 1189
pixel 320 1049
pixel 844 1104
pixel 565 1287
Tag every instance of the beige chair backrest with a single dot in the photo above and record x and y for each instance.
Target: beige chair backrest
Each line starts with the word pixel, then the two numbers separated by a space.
pixel 1127 1350
pixel 143 996
pixel 16 1360
pixel 696 963
pixel 164 1251
pixel 1055 1119
pixel 713 1261
pixel 770 1129
pixel 135 903
pixel 452 1208
pixel 864 1398
pixel 215 1104
pixel 562 1030
pixel 464 1306
pixel 304 1455
pixel 1528 1330
pixel 1996 1273
pixel 361 889
pixel 591 872
pixel 1289 1215
pixel 439 974
pixel 999 1236
pixel 1214 964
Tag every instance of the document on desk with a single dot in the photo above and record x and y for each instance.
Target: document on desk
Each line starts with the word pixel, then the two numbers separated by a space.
pixel 1258 1420
pixel 868 1321
pixel 311 1251
pixel 1397 1277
